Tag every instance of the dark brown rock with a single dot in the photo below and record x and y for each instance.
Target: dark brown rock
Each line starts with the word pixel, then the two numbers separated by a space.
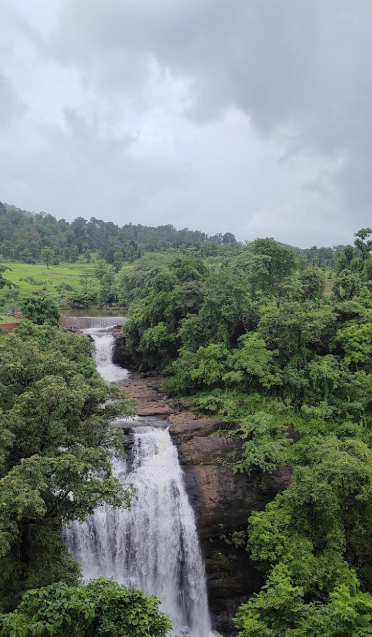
pixel 120 354
pixel 222 502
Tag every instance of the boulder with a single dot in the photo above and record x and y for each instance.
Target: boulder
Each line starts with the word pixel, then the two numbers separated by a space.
pixel 155 409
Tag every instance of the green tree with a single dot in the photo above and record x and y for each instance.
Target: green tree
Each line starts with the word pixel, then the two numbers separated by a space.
pixel 102 608
pixel 362 243
pixel 87 252
pixel 313 283
pixel 73 254
pixel 40 310
pixel 101 269
pixel 47 256
pixel 3 281
pixel 108 290
pixel 56 443
pixel 310 540
pixel 118 260
pixel 282 260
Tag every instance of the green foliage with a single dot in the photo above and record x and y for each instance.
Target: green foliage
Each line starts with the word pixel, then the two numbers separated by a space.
pixel 356 343
pixel 47 256
pixel 3 281
pixel 28 237
pixel 265 445
pixel 280 610
pixel 260 344
pixel 56 442
pixel 311 538
pixel 362 243
pixel 251 361
pixel 40 310
pixel 101 608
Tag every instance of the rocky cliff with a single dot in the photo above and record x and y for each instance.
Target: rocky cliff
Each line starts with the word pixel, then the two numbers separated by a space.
pixel 222 502
pixel 120 354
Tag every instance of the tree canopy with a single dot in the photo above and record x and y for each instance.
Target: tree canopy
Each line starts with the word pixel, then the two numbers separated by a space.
pixel 56 444
pixel 256 340
pixel 102 608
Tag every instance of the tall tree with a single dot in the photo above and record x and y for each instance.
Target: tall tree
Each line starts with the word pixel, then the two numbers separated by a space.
pixel 47 255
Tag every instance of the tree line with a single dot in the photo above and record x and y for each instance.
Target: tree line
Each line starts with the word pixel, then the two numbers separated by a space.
pixel 25 235
pixel 31 237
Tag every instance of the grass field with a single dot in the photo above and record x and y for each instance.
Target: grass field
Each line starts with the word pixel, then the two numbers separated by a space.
pixel 47 279
pixel 51 282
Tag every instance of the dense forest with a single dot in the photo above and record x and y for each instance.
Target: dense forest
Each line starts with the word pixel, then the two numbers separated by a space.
pixel 249 333
pixel 255 339
pixel 24 236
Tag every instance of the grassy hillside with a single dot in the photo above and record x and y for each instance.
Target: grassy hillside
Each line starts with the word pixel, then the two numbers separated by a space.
pixel 48 279
pixel 57 282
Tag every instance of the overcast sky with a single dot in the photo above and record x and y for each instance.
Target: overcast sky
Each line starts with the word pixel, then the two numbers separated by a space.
pixel 248 116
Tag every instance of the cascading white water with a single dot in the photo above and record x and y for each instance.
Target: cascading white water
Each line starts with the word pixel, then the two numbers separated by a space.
pixel 103 321
pixel 104 344
pixel 154 544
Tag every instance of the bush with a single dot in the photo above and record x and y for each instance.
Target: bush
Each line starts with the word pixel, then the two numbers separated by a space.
pixel 40 310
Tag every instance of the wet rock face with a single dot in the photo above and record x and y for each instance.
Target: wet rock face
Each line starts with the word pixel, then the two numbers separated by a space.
pixel 120 354
pixel 222 502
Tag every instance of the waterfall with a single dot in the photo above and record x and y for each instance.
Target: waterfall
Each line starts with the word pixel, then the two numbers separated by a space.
pixel 104 343
pixel 153 545
pixel 87 322
pixel 104 321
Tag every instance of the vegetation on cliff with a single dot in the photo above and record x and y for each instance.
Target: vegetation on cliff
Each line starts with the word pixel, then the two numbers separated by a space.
pixel 254 338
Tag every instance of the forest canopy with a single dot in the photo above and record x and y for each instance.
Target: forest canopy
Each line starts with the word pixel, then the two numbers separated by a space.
pixel 256 340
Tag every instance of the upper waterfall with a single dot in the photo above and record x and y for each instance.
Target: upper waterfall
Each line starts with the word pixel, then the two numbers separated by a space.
pixel 87 322
pixel 104 343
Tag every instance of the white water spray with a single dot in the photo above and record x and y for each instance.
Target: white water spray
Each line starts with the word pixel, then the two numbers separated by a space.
pixel 104 344
pixel 98 330
pixel 154 544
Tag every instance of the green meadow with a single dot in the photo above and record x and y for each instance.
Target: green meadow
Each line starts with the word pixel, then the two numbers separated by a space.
pixel 30 278
pixel 57 282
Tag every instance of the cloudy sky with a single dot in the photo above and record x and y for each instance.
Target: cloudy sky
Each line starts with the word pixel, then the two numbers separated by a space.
pixel 249 116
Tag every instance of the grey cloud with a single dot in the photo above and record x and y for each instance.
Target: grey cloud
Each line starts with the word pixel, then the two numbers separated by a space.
pixel 10 105
pixel 242 115
pixel 300 68
pixel 275 59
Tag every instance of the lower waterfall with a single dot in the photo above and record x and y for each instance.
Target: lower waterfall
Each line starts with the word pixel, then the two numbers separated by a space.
pixel 153 545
